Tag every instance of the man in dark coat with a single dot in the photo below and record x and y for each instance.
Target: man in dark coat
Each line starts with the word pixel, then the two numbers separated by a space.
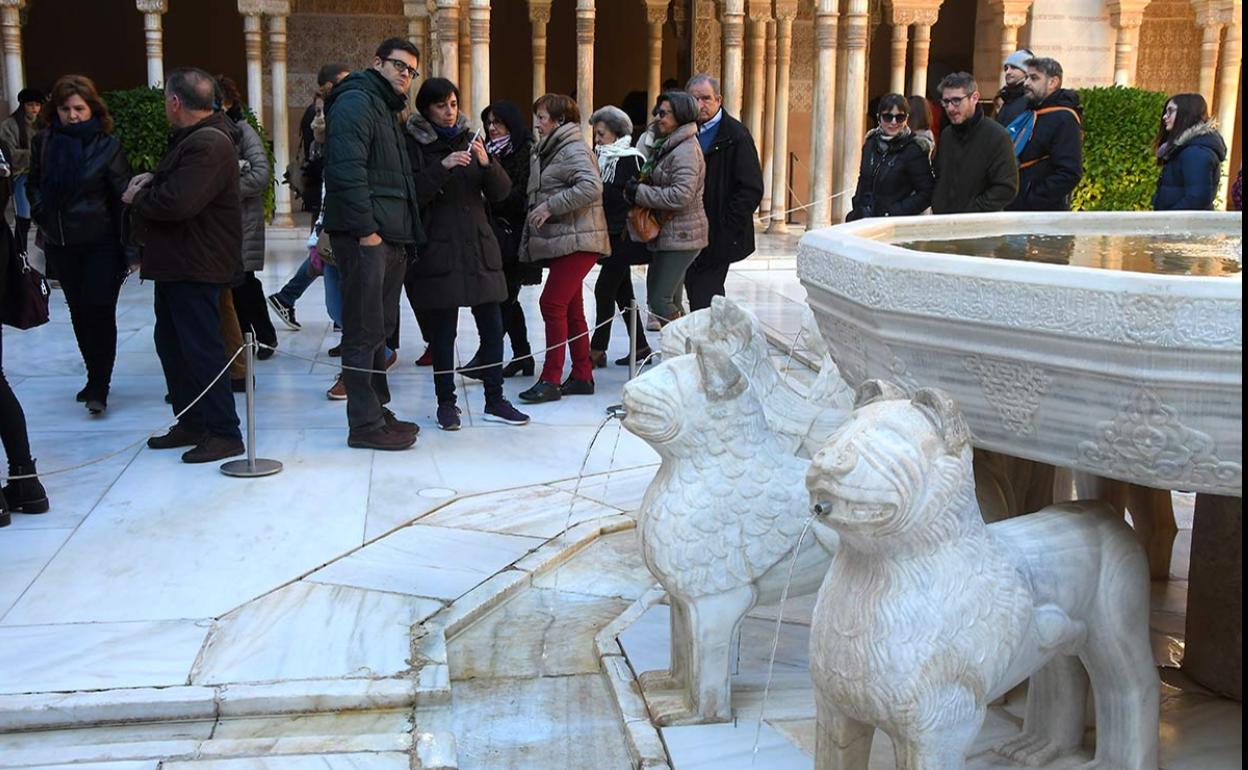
pixel 371 216
pixel 1051 163
pixel 326 78
pixel 734 188
pixel 1011 100
pixel 192 233
pixel 974 164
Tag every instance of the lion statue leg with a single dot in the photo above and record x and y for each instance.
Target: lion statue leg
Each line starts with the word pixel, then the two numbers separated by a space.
pixel 951 721
pixel 1057 698
pixel 841 743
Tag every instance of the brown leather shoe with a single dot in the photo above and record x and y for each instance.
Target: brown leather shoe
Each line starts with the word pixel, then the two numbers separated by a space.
pixel 395 424
pixel 177 436
pixel 384 438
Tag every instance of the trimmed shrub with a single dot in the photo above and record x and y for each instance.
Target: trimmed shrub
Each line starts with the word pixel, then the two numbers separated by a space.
pixel 1119 169
pixel 144 132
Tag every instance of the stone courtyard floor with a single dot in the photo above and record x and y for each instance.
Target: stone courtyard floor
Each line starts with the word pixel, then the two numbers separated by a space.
pixel 477 602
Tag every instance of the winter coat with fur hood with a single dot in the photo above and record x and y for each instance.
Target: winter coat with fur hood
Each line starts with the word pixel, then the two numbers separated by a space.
pixel 1191 168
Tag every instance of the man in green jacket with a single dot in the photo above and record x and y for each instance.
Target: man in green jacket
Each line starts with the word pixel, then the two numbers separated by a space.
pixel 974 164
pixel 372 220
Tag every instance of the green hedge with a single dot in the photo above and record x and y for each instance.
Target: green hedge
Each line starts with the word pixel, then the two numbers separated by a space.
pixel 1119 169
pixel 144 132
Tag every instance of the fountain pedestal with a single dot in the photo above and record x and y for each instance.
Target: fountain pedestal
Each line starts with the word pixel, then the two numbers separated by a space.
pixel 1214 648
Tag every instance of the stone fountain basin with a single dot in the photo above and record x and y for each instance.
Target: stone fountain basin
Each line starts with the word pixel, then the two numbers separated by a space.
pixel 1131 376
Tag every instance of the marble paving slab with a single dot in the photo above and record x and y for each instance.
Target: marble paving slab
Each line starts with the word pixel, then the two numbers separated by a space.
pixel 340 723
pixel 23 553
pixel 421 560
pixel 551 723
pixel 391 760
pixel 731 747
pixel 171 540
pixel 98 656
pixel 312 631
pixel 539 633
pixel 611 567
pixel 537 511
pixel 622 489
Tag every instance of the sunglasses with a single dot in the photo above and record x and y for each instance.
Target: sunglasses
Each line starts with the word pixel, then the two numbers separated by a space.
pixel 659 112
pixel 893 117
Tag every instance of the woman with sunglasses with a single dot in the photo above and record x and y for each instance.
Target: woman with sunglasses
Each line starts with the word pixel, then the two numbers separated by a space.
pixel 895 177
pixel 1190 152
pixel 671 184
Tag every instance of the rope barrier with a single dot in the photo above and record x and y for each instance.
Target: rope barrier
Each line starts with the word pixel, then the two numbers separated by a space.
pixel 781 214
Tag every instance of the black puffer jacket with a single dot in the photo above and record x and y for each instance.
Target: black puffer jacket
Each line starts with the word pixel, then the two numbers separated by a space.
pixel 93 213
pixel 460 265
pixel 1051 164
pixel 975 167
pixel 1191 170
pixel 367 185
pixel 734 188
pixel 895 177
pixel 1013 103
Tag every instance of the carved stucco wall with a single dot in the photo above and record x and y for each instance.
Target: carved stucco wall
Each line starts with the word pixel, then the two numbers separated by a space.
pixel 1169 48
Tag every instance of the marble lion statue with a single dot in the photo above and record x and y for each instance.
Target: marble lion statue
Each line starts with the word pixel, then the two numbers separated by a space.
pixel 928 614
pixel 802 421
pixel 720 522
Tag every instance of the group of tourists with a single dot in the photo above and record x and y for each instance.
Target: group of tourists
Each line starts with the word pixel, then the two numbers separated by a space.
pixel 414 201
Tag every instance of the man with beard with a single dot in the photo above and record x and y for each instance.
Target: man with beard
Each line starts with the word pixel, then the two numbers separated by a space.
pixel 1048 140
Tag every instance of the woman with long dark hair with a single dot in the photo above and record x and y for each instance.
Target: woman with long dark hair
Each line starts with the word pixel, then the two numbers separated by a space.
pixel 16 133
pixel 78 172
pixel 508 141
pixel 1190 152
pixel 460 266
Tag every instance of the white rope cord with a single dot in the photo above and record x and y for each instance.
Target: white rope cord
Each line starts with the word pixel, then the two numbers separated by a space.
pixel 133 444
pixel 781 214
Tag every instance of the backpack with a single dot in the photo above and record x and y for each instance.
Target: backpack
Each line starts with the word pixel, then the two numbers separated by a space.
pixel 1022 128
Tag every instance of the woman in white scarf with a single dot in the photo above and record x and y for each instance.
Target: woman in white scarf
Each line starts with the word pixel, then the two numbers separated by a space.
pixel 618 163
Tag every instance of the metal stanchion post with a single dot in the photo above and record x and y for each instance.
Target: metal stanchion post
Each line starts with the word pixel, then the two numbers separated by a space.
pixel 252 466
pixel 617 410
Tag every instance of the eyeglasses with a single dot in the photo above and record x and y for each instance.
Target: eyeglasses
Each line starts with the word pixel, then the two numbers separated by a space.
pixel 893 117
pixel 953 101
pixel 659 112
pixel 402 66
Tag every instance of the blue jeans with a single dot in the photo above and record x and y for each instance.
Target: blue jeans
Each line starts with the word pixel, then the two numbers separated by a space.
pixel 333 293
pixel 297 285
pixel 21 203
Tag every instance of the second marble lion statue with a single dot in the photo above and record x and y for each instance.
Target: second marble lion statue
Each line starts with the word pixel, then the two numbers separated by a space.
pixel 927 614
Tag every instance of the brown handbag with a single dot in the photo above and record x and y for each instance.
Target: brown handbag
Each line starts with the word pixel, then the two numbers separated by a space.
pixel 645 223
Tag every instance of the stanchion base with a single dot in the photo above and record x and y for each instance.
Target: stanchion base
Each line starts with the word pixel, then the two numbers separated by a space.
pixel 617 411
pixel 244 469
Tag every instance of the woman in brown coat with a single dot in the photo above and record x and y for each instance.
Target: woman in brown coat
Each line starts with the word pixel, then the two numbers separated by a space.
pixel 671 183
pixel 566 232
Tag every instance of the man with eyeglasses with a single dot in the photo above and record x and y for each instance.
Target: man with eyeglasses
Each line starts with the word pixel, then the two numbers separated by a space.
pixel 1048 140
pixel 974 164
pixel 1011 100
pixel 370 213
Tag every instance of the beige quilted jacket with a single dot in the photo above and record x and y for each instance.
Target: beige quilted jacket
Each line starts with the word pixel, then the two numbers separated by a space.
pixel 675 185
pixel 564 174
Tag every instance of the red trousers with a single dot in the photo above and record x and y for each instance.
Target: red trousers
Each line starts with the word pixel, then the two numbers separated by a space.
pixel 563 310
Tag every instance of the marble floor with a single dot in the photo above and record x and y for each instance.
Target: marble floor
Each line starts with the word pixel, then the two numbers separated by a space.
pixel 457 605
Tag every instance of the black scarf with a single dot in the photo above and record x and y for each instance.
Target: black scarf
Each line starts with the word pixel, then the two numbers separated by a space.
pixel 63 161
pixel 963 128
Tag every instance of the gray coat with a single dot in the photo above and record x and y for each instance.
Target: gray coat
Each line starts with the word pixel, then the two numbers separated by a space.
pixel 253 178
pixel 676 184
pixel 564 174
pixel 10 135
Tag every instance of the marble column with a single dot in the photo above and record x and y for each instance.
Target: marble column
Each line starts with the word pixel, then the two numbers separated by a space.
pixel 277 11
pixel 11 34
pixel 433 56
pixel 466 101
pixel 769 125
pixel 856 19
pixel 1126 16
pixel 897 50
pixel 923 22
pixel 756 79
pixel 732 23
pixel 785 13
pixel 154 38
pixel 826 28
pixel 417 13
pixel 1013 17
pixel 656 17
pixel 539 17
pixel 480 31
pixel 1210 21
pixel 1227 106
pixel 253 40
pixel 448 40
pixel 585 16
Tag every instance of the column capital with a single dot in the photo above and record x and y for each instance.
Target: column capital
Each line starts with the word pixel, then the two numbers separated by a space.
pixel 1126 14
pixel 275 7
pixel 760 10
pixel 656 10
pixel 412 9
pixel 786 10
pixel 19 5
pixel 1013 12
pixel 250 7
pixel 539 11
pixel 1231 12
pixel 907 12
pixel 152 6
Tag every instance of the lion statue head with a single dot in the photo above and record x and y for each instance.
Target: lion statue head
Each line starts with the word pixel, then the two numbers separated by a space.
pixel 897 476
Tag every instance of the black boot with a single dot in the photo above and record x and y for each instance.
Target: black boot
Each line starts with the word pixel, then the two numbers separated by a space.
pixel 5 518
pixel 25 495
